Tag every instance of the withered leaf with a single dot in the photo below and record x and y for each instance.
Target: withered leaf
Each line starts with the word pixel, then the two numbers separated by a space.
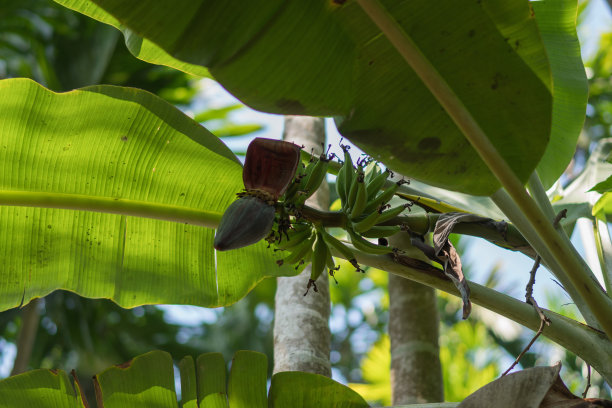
pixel 538 387
pixel 452 268
pixel 447 221
pixel 447 253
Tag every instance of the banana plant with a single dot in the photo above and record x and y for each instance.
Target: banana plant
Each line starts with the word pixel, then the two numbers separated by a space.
pixel 110 192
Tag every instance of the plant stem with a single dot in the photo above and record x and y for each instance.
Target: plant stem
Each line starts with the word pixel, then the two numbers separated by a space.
pixel 123 206
pixel 603 245
pixel 586 342
pixel 515 215
pixel 589 290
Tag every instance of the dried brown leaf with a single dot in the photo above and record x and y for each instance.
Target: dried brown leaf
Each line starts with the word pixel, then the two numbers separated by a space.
pixel 452 268
pixel 538 387
pixel 446 223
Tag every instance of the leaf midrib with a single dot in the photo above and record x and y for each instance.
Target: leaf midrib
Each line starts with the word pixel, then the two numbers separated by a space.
pixel 111 205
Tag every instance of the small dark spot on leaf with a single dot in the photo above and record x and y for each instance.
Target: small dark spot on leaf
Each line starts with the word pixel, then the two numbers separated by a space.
pixel 370 62
pixel 430 143
pixel 124 138
pixel 339 2
pixel 290 106
pixel 471 33
pixel 587 288
pixel 49 226
pixel 496 79
pixel 442 50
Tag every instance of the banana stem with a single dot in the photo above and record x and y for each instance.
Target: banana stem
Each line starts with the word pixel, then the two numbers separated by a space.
pixel 589 290
pixel 586 342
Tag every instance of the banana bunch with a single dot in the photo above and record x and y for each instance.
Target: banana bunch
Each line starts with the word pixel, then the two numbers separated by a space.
pixel 365 203
pixel 311 244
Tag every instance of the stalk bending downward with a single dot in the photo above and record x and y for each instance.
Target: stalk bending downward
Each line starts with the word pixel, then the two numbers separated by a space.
pixel 597 300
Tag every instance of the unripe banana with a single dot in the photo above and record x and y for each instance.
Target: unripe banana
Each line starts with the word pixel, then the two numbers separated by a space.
pixel 298 189
pixel 367 223
pixel 348 174
pixel 381 199
pixel 294 187
pixel 366 246
pixel 299 252
pixel 381 231
pixel 361 198
pixel 294 239
pixel 340 185
pixel 392 213
pixel 376 183
pixel 352 195
pixel 371 172
pixel 315 178
pixel 340 247
pixel 319 258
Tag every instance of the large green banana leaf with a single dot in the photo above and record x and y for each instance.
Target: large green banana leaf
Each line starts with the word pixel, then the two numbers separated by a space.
pixel 121 150
pixel 557 23
pixel 328 58
pixel 148 381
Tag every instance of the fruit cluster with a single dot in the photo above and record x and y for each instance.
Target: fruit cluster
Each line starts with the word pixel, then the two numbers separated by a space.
pixel 365 207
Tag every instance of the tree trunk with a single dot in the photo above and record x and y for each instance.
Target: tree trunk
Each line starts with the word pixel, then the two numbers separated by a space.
pixel 30 317
pixel 302 339
pixel 416 373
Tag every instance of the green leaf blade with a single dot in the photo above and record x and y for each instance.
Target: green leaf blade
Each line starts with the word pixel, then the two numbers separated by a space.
pixel 557 23
pixel 247 381
pixel 38 388
pixel 337 63
pixel 301 390
pixel 121 152
pixel 146 381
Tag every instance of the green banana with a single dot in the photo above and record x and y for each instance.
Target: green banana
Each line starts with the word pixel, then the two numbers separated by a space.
pixel 375 184
pixel 381 199
pixel 368 222
pixel 340 185
pixel 381 231
pixel 343 249
pixel 361 198
pixel 364 245
pixel 316 177
pixel 371 172
pixel 299 252
pixel 294 239
pixel 295 184
pixel 348 174
pixel 295 193
pixel 319 258
pixel 392 213
pixel 352 192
